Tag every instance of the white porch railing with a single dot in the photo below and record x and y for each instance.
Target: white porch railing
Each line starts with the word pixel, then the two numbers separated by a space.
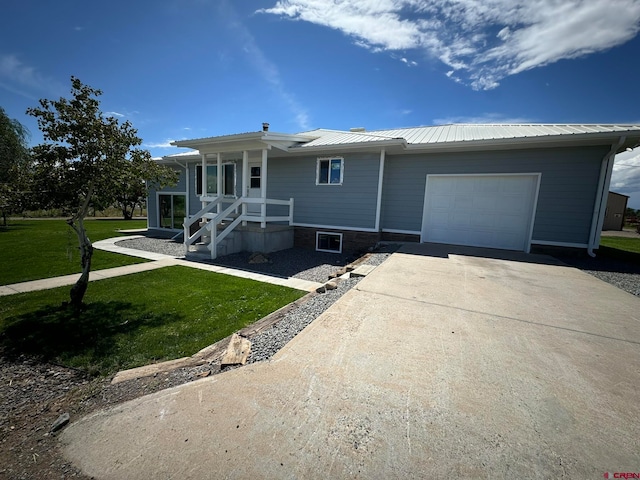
pixel 210 228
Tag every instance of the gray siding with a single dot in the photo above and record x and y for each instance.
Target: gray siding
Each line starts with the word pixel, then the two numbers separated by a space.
pixel 352 204
pixel 152 198
pixel 567 189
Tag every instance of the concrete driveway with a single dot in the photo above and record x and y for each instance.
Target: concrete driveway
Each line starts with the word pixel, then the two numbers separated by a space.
pixel 442 363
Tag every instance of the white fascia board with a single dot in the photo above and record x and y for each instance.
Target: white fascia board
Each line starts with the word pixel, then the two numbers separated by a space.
pixel 360 146
pixel 196 142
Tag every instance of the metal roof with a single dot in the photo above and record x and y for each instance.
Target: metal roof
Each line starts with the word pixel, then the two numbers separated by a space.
pixel 433 138
pixel 461 133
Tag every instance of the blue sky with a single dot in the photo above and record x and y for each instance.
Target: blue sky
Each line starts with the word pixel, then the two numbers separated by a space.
pixel 194 68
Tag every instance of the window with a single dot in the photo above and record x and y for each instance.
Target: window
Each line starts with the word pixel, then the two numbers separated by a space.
pixel 173 210
pixel 329 242
pixel 330 171
pixel 255 177
pixel 228 179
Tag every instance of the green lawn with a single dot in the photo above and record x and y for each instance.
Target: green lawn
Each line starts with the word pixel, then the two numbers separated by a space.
pixel 621 243
pixel 34 249
pixel 136 319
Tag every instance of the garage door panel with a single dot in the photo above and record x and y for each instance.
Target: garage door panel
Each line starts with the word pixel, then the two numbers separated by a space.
pixel 442 201
pixel 484 220
pixel 463 202
pixel 447 186
pixel 481 210
pixel 483 203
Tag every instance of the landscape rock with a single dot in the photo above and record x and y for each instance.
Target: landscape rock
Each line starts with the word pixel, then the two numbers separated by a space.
pixel 259 258
pixel 331 285
pixel 61 421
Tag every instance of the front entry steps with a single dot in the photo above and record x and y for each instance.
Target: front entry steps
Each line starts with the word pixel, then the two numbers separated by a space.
pixel 250 238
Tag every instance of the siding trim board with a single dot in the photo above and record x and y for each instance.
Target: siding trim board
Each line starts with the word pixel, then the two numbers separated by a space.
pixel 335 227
pixel 404 232
pixel 559 244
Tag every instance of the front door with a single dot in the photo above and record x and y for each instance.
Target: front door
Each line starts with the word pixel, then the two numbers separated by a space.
pixel 255 187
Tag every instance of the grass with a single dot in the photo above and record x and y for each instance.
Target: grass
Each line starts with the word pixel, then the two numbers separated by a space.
pixel 622 243
pixel 136 319
pixel 35 249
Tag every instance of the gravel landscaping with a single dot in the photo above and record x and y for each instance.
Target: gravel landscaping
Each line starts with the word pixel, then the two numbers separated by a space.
pixel 33 394
pixel 624 275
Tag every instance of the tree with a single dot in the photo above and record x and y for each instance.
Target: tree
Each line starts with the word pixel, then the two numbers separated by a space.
pixel 82 160
pixel 131 193
pixel 14 164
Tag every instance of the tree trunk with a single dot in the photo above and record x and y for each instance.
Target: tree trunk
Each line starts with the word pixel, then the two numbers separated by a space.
pixel 86 252
pixel 126 214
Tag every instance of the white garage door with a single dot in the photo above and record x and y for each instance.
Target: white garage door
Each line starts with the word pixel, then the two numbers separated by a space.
pixel 480 210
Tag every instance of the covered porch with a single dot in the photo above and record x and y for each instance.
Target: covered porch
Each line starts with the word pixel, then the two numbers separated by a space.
pixel 231 185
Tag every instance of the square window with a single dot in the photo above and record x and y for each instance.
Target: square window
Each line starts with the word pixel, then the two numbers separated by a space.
pixel 329 242
pixel 330 171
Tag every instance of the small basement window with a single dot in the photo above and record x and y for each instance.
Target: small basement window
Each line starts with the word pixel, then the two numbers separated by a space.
pixel 329 242
pixel 330 171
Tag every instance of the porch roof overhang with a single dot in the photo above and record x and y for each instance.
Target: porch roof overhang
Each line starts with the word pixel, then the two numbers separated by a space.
pixel 244 141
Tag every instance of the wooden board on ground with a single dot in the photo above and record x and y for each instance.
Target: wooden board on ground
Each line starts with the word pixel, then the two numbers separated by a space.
pixel 237 351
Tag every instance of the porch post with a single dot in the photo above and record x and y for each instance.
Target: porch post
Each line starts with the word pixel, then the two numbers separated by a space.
pixel 263 190
pixel 203 180
pixel 219 178
pixel 245 182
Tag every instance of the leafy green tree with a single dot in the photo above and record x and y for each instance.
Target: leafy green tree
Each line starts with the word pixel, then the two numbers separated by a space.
pixel 14 164
pixel 82 160
pixel 132 192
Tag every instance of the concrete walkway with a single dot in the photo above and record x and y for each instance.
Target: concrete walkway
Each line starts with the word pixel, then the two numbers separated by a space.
pixel 442 362
pixel 157 261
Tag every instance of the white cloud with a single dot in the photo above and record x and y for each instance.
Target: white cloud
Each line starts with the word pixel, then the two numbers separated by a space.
pixel 409 63
pixel 481 41
pixel 625 178
pixel 114 114
pixel 165 144
pixel 24 80
pixel 493 118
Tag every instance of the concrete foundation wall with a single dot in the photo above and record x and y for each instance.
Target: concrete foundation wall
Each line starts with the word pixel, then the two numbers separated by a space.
pixel 352 241
pixel 266 240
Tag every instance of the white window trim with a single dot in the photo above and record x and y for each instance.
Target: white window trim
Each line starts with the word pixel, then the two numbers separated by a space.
pixel 318 233
pixel 235 179
pixel 329 159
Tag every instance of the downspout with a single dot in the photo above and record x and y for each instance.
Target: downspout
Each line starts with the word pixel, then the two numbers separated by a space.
pixel 601 197
pixel 380 181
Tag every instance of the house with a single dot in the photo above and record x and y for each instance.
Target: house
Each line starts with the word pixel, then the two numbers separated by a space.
pixel 614 213
pixel 501 186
